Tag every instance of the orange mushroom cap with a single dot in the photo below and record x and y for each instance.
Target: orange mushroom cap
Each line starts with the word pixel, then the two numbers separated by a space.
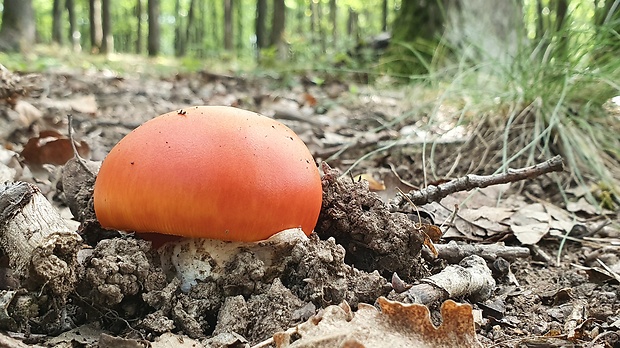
pixel 209 172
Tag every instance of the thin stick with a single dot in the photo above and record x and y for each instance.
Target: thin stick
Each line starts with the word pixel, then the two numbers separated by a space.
pixel 434 193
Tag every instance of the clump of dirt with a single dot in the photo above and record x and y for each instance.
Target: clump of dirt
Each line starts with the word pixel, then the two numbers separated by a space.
pixel 124 276
pixel 374 238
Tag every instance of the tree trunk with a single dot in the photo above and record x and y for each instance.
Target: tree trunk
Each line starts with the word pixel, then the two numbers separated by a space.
pixel 486 36
pixel 107 45
pixel 153 39
pixel 352 26
pixel 74 34
pixel 200 29
pixel 96 32
pixel 139 11
pixel 320 28
pixel 18 26
pixel 239 20
pixel 313 23
pixel 228 25
pixel 277 24
pixel 384 16
pixel 261 25
pixel 57 8
pixel 178 25
pixel 333 18
pixel 190 37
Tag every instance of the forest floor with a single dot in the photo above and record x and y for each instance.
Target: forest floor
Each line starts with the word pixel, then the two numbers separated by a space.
pixel 561 292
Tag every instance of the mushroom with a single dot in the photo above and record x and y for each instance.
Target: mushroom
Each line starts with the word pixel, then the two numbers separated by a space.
pixel 209 172
pixel 229 179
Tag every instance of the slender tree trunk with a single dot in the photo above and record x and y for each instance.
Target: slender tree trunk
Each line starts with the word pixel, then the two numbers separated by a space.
pixel 279 17
pixel 190 37
pixel 333 18
pixel 321 29
pixel 228 25
pixel 57 8
pixel 153 39
pixel 96 32
pixel 216 36
pixel 384 16
pixel 261 25
pixel 239 20
pixel 178 29
pixel 74 34
pixel 200 29
pixel 138 14
pixel 107 45
pixel 301 23
pixel 314 23
pixel 18 26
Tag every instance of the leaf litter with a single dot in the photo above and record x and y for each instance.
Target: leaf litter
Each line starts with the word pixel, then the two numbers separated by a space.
pixel 123 292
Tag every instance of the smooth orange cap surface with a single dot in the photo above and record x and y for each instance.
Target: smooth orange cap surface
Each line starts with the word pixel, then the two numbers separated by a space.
pixel 209 172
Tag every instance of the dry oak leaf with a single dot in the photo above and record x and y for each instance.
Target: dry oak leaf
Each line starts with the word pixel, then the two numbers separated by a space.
pixel 53 148
pixel 396 325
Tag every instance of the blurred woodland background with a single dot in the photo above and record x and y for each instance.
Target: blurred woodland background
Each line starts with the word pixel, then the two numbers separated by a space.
pixel 539 75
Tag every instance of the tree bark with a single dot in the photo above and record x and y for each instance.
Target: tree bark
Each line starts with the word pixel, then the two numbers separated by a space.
pixel 313 22
pixel 384 16
pixel 18 26
pixel 261 25
pixel 239 21
pixel 277 29
pixel 74 34
pixel 139 11
pixel 154 33
pixel 190 37
pixel 107 45
pixel 320 28
pixel 333 18
pixel 57 8
pixel 178 31
pixel 96 32
pixel 228 25
pixel 352 26
pixel 485 36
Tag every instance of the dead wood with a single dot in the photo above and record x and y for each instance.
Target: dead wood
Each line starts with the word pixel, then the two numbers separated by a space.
pixel 434 193
pixel 41 248
pixel 470 278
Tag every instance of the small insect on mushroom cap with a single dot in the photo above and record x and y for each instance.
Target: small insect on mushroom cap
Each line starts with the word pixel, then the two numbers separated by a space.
pixel 209 172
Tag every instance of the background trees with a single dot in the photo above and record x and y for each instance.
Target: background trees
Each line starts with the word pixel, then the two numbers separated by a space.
pixel 327 31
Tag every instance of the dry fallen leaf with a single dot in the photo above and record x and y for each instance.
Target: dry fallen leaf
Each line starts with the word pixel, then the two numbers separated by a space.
pixel 396 325
pixel 530 223
pixel 51 147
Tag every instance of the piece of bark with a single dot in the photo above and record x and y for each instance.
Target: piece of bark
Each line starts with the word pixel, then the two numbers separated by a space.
pixel 470 278
pixel 41 248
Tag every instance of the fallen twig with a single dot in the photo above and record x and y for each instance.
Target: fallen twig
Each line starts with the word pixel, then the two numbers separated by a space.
pixel 454 253
pixel 434 193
